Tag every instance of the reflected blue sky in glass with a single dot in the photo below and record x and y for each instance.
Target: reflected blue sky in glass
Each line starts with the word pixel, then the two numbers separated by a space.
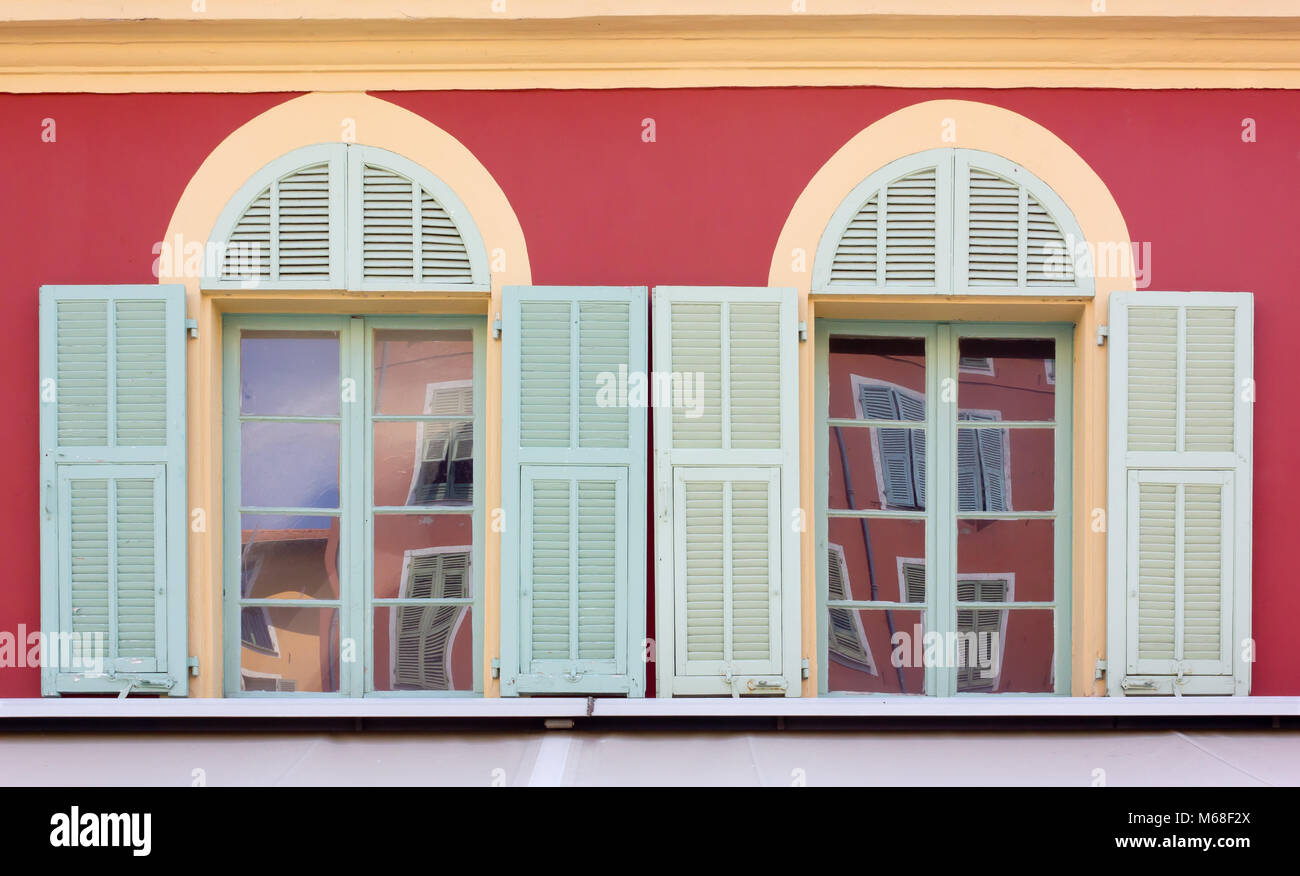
pixel 289 373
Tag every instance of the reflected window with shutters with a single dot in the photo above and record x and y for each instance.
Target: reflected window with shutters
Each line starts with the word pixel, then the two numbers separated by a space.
pixel 354 520
pixel 944 508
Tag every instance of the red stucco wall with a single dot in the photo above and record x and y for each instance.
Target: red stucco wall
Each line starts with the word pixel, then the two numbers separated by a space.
pixel 701 205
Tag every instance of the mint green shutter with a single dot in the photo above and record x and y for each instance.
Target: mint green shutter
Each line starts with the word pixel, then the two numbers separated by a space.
pixel 1179 523
pixel 113 534
pixel 727 487
pixel 573 490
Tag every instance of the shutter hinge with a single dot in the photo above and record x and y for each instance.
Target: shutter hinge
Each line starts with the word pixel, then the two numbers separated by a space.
pixel 1103 332
pixel 1100 671
pixel 805 668
pixel 192 326
pixel 496 667
pixel 803 331
pixel 496 327
pixel 193 664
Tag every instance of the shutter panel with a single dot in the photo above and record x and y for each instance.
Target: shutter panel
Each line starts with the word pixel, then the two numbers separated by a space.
pixel 898 235
pixel 290 233
pixel 1180 492
pixel 406 228
pixel 574 460
pixel 1009 233
pixel 726 477
pixel 113 534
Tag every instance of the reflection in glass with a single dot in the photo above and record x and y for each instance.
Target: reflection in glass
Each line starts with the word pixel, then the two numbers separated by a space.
pixel 983 459
pixel 876 468
pixel 422 556
pixel 424 647
pixel 289 373
pixel 877 378
pixel 286 557
pixel 424 463
pixel 1015 377
pixel 1020 552
pixel 879 559
pixel 876 651
pixel 289 464
pixel 294 648
pixel 1004 651
pixel 423 372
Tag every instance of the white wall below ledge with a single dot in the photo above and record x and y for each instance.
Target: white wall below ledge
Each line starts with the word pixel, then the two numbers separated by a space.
pixel 703 707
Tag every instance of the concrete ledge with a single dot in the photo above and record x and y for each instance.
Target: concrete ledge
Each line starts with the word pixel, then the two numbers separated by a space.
pixel 703 707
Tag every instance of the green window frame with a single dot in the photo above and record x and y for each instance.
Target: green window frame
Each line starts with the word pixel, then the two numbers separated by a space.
pixel 356 602
pixel 942 425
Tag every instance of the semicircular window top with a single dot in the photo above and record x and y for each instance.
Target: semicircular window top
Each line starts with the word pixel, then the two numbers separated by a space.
pixel 953 221
pixel 345 216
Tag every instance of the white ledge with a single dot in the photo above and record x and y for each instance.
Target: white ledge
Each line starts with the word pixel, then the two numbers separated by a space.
pixel 609 707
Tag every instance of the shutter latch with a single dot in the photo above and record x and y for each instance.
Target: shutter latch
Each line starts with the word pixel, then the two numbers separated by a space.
pixel 496 327
pixel 803 331
pixel 193 664
pixel 1103 332
pixel 192 327
pixel 573 675
pixel 1100 670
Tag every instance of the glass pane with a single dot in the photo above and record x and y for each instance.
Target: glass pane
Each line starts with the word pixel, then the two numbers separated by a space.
pixel 424 647
pixel 876 651
pixel 295 648
pixel 289 373
pixel 290 464
pixel 423 372
pixel 1014 557
pixel 1005 469
pixel 287 557
pixel 877 378
pixel 424 463
pixel 876 468
pixel 1014 378
pixel 1005 651
pixel 878 559
pixel 423 556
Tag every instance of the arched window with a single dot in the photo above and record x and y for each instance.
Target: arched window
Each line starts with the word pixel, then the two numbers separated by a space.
pixel 953 221
pixel 344 216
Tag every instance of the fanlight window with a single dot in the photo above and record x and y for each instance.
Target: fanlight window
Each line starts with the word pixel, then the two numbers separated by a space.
pixel 953 221
pixel 343 216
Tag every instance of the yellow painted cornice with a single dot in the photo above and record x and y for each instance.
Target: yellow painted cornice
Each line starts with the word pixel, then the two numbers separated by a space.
pixel 347 45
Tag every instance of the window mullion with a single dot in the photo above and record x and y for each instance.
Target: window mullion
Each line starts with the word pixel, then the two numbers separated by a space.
pixel 943 514
pixel 358 520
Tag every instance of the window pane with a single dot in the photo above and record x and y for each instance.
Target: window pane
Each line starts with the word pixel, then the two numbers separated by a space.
pixel 877 378
pixel 874 469
pixel 424 647
pixel 295 648
pixel 865 657
pixel 289 557
pixel 290 464
pixel 1005 469
pixel 424 463
pixel 876 559
pixel 1011 377
pixel 423 372
pixel 1011 556
pixel 423 556
pixel 289 373
pixel 1005 651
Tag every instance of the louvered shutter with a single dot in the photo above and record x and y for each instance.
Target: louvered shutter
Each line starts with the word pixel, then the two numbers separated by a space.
pixel 726 475
pixel 574 460
pixel 113 574
pixel 406 228
pixel 895 229
pixel 289 228
pixel 1009 230
pixel 1180 491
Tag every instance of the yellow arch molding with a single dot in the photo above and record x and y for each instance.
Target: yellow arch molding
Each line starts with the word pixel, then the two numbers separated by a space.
pixel 972 125
pixel 322 118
